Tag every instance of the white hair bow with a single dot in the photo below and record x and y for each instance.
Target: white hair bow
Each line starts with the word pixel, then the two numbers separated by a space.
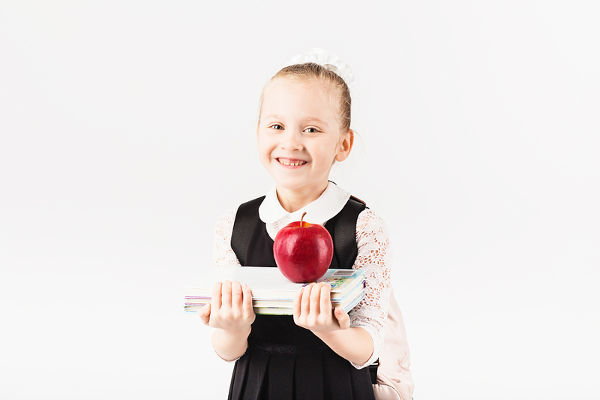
pixel 327 60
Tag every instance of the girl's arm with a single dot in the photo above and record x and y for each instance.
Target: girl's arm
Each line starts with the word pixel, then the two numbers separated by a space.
pixel 229 345
pixel 354 344
pixel 369 315
pixel 374 259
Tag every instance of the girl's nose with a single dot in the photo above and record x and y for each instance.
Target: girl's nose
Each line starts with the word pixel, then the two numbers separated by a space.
pixel 297 146
pixel 292 141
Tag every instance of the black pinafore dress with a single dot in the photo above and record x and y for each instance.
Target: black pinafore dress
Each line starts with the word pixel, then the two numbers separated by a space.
pixel 283 360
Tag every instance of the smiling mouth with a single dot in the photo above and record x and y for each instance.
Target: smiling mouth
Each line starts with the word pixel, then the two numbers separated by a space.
pixel 288 162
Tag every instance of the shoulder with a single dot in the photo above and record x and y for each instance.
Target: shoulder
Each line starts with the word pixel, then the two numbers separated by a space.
pixel 369 224
pixel 367 219
pixel 369 216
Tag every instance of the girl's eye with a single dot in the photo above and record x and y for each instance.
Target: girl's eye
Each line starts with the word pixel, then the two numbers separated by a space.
pixel 278 127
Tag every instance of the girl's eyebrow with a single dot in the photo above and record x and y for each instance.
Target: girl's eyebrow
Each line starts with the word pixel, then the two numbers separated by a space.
pixel 314 119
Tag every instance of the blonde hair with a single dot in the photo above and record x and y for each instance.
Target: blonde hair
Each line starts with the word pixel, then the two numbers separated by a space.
pixel 316 71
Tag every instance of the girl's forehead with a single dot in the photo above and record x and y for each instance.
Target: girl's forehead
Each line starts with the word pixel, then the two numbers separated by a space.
pixel 299 83
pixel 315 94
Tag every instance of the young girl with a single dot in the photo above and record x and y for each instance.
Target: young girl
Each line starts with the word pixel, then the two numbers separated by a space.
pixel 318 353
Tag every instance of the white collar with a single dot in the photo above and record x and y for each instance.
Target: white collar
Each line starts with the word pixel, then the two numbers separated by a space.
pixel 331 202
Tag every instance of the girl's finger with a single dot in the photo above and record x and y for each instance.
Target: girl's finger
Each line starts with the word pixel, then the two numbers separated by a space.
pixel 305 303
pixel 315 295
pixel 297 301
pixel 342 317
pixel 204 314
pixel 326 299
pixel 247 301
pixel 226 294
pixel 215 300
pixel 236 295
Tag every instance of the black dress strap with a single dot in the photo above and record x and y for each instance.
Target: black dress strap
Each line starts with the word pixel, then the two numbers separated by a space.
pixel 344 232
pixel 244 224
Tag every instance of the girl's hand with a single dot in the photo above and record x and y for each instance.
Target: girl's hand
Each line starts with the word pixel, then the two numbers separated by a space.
pixel 312 309
pixel 230 308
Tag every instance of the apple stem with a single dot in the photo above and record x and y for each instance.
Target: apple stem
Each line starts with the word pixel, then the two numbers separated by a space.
pixel 302 217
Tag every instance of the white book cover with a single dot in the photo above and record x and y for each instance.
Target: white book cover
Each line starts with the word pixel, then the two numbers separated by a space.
pixel 268 283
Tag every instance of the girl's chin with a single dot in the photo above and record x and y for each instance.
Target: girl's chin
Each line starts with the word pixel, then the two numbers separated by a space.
pixel 290 182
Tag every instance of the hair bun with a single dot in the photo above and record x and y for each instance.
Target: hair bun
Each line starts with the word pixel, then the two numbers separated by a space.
pixel 326 59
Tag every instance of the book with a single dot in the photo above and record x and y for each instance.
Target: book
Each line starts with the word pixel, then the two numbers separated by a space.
pixel 283 307
pixel 272 292
pixel 346 306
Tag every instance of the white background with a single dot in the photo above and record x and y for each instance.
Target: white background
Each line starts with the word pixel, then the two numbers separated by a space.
pixel 127 127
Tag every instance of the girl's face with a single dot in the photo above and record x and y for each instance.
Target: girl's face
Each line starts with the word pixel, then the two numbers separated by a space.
pixel 299 125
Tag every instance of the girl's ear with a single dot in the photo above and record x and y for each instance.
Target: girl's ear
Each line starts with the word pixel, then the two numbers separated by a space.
pixel 345 145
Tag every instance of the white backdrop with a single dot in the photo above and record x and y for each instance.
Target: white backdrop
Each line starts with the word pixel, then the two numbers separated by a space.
pixel 128 127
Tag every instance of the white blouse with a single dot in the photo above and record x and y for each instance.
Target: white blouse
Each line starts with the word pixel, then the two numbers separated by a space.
pixel 373 252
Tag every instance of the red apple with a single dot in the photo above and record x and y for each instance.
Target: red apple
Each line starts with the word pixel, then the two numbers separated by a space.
pixel 303 251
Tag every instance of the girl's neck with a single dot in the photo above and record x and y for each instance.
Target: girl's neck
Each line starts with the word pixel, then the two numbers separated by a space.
pixel 293 200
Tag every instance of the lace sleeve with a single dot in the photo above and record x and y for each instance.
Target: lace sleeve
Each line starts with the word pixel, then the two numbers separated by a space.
pixel 374 258
pixel 222 252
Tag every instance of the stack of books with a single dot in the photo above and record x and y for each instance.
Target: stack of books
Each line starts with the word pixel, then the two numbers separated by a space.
pixel 272 292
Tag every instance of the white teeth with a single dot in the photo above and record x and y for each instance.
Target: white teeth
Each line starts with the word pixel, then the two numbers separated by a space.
pixel 291 164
